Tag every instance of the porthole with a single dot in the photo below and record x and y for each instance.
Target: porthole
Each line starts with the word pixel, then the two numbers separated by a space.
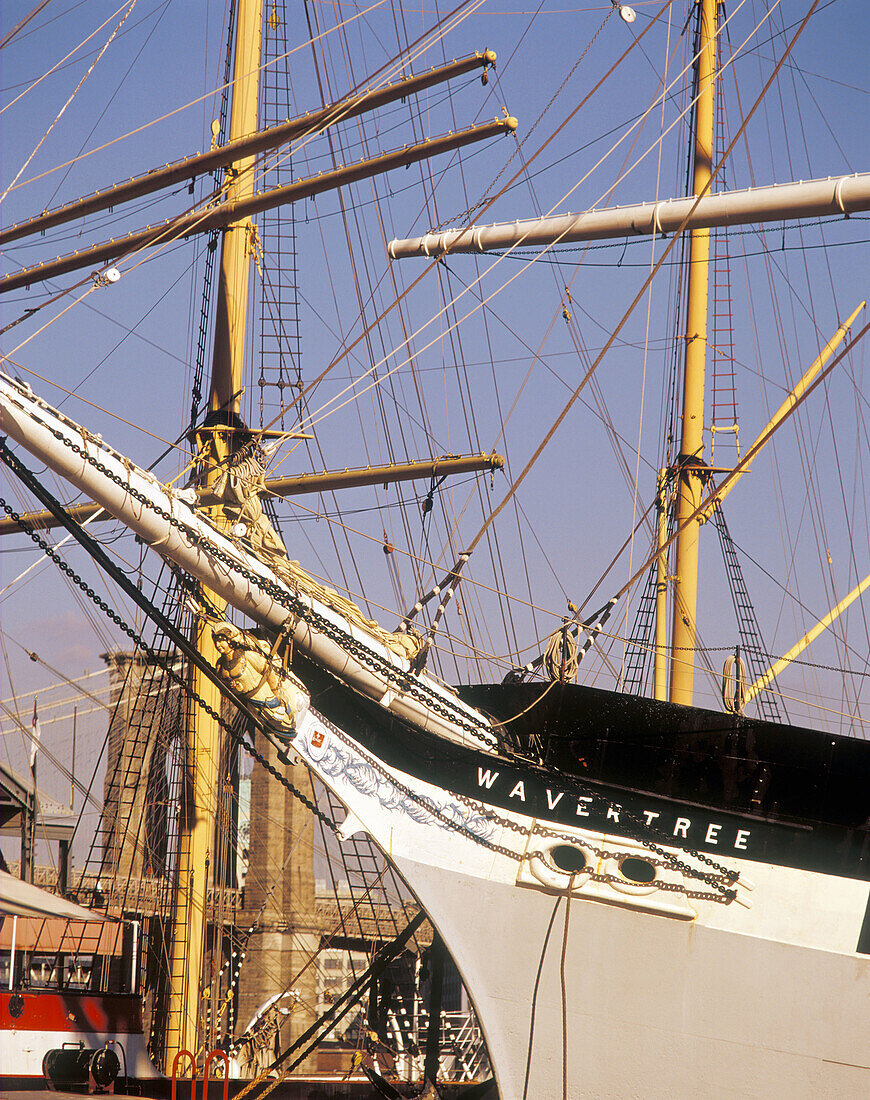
pixel 639 871
pixel 568 859
pixel 630 874
pixel 562 866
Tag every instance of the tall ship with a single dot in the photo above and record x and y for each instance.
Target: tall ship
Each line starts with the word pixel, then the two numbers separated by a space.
pixel 624 777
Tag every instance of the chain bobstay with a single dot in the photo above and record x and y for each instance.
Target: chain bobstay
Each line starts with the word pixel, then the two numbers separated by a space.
pixel 160 661
pixel 723 880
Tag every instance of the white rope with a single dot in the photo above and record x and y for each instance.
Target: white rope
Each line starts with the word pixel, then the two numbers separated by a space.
pixel 55 67
pixel 71 98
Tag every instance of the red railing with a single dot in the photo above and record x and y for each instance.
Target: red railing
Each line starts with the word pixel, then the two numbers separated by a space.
pixel 175 1060
pixel 211 1057
pixel 216 1054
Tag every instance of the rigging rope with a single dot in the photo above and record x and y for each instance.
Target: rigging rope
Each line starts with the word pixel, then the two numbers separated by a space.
pixel 677 236
pixel 485 201
pixel 71 98
pixel 100 557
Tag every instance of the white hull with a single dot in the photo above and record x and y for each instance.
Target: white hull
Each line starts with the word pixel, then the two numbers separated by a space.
pixel 655 1007
pixel 665 995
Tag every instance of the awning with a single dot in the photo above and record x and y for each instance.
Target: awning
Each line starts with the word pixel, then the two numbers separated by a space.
pixel 21 899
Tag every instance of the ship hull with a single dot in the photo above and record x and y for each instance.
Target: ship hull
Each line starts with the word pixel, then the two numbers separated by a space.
pixel 654 1007
pixel 33 1023
pixel 671 988
pixel 735 964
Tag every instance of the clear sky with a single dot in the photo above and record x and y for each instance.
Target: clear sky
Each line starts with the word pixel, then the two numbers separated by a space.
pixel 498 380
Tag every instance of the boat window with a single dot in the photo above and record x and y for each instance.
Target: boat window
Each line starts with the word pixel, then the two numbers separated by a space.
pixel 58 954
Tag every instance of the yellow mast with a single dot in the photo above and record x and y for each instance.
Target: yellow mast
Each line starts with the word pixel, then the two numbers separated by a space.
pixel 229 341
pixel 660 668
pixel 689 481
pixel 197 830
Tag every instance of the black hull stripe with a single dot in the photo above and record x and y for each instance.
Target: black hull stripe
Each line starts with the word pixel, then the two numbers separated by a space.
pixel 551 795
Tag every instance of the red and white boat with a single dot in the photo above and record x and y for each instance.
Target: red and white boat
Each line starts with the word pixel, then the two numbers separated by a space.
pixel 70 1011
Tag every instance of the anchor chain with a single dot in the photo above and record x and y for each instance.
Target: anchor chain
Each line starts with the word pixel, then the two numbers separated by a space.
pixel 296 607
pixel 293 604
pixel 723 894
pixel 165 666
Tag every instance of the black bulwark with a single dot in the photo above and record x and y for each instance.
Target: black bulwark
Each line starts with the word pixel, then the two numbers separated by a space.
pixel 722 760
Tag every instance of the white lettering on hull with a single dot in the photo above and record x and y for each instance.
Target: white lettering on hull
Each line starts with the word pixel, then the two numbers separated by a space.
pixel 519 791
pixel 554 802
pixel 682 827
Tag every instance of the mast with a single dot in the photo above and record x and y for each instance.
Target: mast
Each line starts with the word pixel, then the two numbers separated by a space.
pixel 660 665
pixel 229 341
pixel 689 480
pixel 200 800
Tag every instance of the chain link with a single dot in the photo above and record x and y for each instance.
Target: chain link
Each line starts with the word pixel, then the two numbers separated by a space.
pixel 725 873
pixel 723 894
pixel 401 680
pixel 165 665
pixel 672 861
